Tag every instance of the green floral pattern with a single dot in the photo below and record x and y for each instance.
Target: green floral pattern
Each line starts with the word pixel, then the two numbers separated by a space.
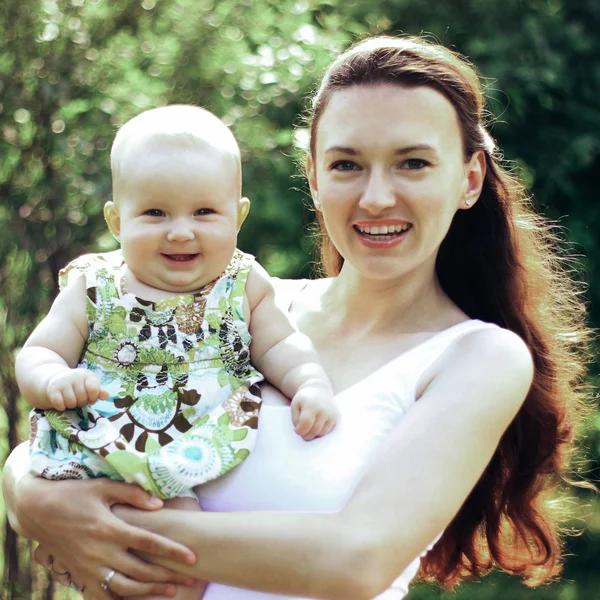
pixel 184 401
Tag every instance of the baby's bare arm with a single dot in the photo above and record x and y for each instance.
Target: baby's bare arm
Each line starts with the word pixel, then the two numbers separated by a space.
pixel 45 366
pixel 288 359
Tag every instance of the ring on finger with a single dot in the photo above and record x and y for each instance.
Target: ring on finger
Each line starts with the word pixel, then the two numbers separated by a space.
pixel 106 582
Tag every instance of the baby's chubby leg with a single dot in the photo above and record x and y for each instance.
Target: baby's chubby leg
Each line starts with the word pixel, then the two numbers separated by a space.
pixel 196 590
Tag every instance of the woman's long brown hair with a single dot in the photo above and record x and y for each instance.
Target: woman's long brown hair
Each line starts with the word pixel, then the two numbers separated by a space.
pixel 500 262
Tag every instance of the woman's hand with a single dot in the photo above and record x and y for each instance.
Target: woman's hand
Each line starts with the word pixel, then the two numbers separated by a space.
pixel 58 572
pixel 78 531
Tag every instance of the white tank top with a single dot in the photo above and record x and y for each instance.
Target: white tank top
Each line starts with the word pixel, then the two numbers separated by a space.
pixel 285 473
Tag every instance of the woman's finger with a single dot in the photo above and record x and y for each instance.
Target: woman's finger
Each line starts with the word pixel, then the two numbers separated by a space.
pixel 95 591
pixel 115 492
pixel 77 587
pixel 57 571
pixel 43 558
pixel 123 586
pixel 138 569
pixel 88 595
pixel 157 545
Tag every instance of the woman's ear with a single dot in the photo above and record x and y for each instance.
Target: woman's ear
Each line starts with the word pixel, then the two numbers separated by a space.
pixel 113 219
pixel 243 210
pixel 475 171
pixel 312 181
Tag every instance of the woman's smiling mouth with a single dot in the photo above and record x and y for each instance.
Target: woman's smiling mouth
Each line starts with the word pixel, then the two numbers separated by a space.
pixel 383 234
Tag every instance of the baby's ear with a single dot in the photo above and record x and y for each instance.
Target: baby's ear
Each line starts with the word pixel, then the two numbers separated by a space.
pixel 113 219
pixel 243 210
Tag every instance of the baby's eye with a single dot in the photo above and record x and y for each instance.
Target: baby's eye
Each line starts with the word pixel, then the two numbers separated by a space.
pixel 415 163
pixel 204 211
pixel 344 165
pixel 154 212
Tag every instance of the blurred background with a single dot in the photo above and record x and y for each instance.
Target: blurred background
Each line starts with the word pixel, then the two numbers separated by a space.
pixel 71 71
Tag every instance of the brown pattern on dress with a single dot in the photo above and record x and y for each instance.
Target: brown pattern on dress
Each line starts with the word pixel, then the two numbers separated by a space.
pixel 71 470
pixel 33 427
pixel 189 318
pixel 134 430
pixel 242 408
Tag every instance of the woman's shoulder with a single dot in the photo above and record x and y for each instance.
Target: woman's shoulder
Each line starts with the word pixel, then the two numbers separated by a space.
pixel 288 291
pixel 484 373
pixel 490 353
pixel 494 341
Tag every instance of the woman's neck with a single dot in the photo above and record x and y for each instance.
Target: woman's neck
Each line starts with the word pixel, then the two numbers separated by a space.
pixel 413 303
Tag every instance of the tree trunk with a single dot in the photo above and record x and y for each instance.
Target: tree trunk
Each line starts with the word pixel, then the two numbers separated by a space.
pixel 11 550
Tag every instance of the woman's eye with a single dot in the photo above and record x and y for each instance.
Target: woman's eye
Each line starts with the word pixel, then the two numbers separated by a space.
pixel 344 165
pixel 155 212
pixel 204 211
pixel 415 163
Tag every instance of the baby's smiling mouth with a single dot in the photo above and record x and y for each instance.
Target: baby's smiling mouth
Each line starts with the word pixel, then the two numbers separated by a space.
pixel 180 257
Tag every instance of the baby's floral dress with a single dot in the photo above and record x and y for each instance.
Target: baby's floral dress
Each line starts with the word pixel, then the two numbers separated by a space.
pixel 184 401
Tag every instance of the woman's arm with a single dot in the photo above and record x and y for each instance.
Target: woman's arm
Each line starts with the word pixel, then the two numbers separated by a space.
pixel 74 523
pixel 416 485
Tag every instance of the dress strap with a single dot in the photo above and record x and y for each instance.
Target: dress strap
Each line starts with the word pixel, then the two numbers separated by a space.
pixel 238 270
pixel 89 266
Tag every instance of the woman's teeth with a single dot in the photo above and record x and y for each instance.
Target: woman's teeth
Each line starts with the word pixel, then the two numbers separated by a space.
pixel 384 229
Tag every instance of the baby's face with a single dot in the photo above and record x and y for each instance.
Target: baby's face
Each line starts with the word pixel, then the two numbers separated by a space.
pixel 178 216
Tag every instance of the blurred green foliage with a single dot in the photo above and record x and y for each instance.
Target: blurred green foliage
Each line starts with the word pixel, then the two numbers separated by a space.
pixel 72 71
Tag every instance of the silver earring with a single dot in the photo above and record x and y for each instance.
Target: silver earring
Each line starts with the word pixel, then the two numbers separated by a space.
pixel 316 200
pixel 468 202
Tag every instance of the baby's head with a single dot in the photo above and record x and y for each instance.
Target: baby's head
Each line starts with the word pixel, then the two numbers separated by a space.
pixel 177 204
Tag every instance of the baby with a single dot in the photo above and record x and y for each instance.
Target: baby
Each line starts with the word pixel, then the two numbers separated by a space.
pixel 143 370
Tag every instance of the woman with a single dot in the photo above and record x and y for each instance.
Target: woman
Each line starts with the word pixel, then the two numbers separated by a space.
pixel 454 341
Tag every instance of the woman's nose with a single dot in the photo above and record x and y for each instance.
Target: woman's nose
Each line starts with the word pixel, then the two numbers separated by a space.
pixel 180 231
pixel 378 194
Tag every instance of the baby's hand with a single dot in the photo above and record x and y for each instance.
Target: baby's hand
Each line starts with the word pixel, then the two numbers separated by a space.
pixel 74 387
pixel 313 412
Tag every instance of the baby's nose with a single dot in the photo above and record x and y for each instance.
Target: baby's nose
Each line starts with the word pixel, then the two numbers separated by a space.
pixel 180 230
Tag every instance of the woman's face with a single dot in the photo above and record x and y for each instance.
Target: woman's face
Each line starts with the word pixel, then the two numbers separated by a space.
pixel 389 175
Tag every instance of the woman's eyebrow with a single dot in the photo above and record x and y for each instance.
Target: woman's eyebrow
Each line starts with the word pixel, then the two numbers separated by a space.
pixel 414 148
pixel 405 150
pixel 342 150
